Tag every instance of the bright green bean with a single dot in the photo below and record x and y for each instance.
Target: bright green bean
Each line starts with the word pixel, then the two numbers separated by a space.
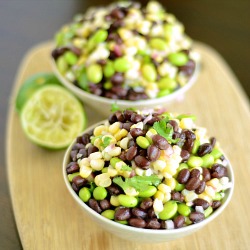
pixel 84 194
pixel 216 153
pixel 196 146
pixel 100 193
pixel 150 191
pixel 127 201
pixel 195 161
pixel 208 160
pixel 149 72
pixel 142 142
pixel 208 211
pixel 178 186
pixel 183 209
pixel 62 65
pixel 71 176
pixel 94 73
pixel 158 43
pixel 122 65
pixel 114 160
pixel 70 57
pixel 109 69
pixel 100 36
pixel 109 214
pixel 164 92
pixel 169 210
pixel 178 58
pixel 167 83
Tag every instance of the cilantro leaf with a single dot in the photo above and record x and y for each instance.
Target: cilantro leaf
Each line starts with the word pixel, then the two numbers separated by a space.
pixel 126 168
pixel 114 107
pixel 106 141
pixel 140 183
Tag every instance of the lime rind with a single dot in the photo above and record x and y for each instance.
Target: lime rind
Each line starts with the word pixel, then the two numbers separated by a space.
pixel 53 117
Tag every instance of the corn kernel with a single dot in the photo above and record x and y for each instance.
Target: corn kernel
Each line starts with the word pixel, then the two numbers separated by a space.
pixel 139 171
pixel 131 191
pixel 103 180
pixel 167 197
pixel 210 191
pixel 170 169
pixel 112 171
pixel 95 155
pixel 120 134
pixel 97 164
pixel 137 125
pixel 97 142
pixel 204 196
pixel 84 163
pixel 124 143
pixel 115 151
pixel 213 182
pixel 106 156
pixel 112 139
pixel 157 205
pixel 164 188
pixel 159 195
pixel 189 195
pixel 171 182
pixel 85 171
pixel 159 165
pixel 186 123
pixel 114 128
pixel 99 130
pixel 114 201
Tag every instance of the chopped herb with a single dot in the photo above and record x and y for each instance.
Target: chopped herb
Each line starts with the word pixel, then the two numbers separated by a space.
pixel 193 117
pixel 140 183
pixel 106 141
pixel 114 107
pixel 126 168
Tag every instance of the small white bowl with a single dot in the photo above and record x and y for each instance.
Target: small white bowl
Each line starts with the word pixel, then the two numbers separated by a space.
pixel 138 234
pixel 103 105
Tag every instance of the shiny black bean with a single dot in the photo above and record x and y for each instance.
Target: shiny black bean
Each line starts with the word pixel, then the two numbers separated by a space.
pixel 153 224
pixel 73 155
pixel 58 52
pixel 83 152
pixel 146 203
pixel 122 213
pixel 185 155
pixel 135 118
pixel 204 149
pixel 189 142
pixel 139 213
pixel 117 79
pixel 74 187
pixel 179 221
pixel 192 183
pixel 112 119
pixel 201 187
pixel 127 114
pixel 196 217
pixel 188 68
pixel 142 162
pixel 105 204
pixel 201 202
pixel 122 156
pixel 120 117
pixel 153 153
pixel 95 205
pixel 131 143
pixel 160 142
pixel 79 181
pixel 113 190
pixel 127 125
pixel 183 176
pixel 85 139
pixel 151 213
pixel 78 146
pixel 92 149
pixel 153 120
pixel 218 171
pixel 195 173
pixel 177 196
pixel 174 124
pixel 72 167
pixel 216 204
pixel 137 222
pixel 206 174
pixel 212 141
pixel 135 132
pixel 131 153
pixel 117 13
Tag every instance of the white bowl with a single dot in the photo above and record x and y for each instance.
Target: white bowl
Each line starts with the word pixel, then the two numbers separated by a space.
pixel 103 105
pixel 138 234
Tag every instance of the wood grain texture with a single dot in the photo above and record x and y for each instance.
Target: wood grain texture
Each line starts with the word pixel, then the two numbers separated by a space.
pixel 48 218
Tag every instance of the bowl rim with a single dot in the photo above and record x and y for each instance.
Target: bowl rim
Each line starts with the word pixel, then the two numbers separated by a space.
pixel 84 95
pixel 193 227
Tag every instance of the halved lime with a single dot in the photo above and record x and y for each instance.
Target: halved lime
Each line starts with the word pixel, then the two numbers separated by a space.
pixel 53 117
pixel 31 85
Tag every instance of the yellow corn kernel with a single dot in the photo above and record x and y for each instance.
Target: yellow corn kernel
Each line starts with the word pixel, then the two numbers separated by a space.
pixel 95 155
pixel 124 143
pixel 103 180
pixel 112 139
pixel 186 123
pixel 97 142
pixel 213 182
pixel 112 171
pixel 159 165
pixel 171 182
pixel 100 129
pixel 115 151
pixel 158 206
pixel 159 195
pixel 167 197
pixel 114 201
pixel 120 134
pixel 125 174
pixel 119 164
pixel 139 171
pixel 210 191
pixel 204 196
pixel 97 164
pixel 170 169
pixel 84 163
pixel 164 188
pixel 190 196
pixel 106 156
pixel 85 171
pixel 137 125
pixel 114 128
pixel 131 191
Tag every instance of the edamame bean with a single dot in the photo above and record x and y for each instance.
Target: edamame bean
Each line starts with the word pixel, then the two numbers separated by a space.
pixel 183 209
pixel 114 160
pixel 178 58
pixel 127 201
pixel 83 81
pixel 182 166
pixel 216 153
pixel 94 73
pixel 208 211
pixel 149 72
pixel 217 196
pixel 100 193
pixel 123 222
pixel 109 69
pixel 196 146
pixel 122 65
pixel 150 191
pixel 169 210
pixel 158 43
pixel 167 83
pixel 164 92
pixel 107 85
pixel 84 194
pixel 109 214
pixel 195 161
pixel 142 142
pixel 71 176
pixel 70 57
pixel 62 65
pixel 178 186
pixel 100 36
pixel 208 160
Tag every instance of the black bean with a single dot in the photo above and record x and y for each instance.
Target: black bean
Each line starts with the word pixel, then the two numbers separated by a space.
pixel 72 167
pixel 117 13
pixel 58 52
pixel 216 204
pixel 135 118
pixel 218 171
pixel 127 125
pixel 179 221
pixel 78 146
pixel 153 224
pixel 135 132
pixel 201 202
pixel 105 204
pixel 204 149
pixel 192 183
pixel 153 153
pixel 134 96
pixel 153 120
pixel 127 114
pixel 177 196
pixel 188 68
pixel 195 173
pixel 138 212
pixel 131 143
pixel 112 119
pixel 183 176
pixel 151 213
pixel 131 153
pixel 206 174
pixel 94 205
pixel 185 155
pixel 189 142
pixel 174 124
pixel 83 152
pixel 122 213
pixel 201 187
pixel 146 203
pixel 92 149
pixel 79 181
pixel 122 156
pixel 85 139
pixel 196 217
pixel 142 162
pixel 73 155
pixel 160 142
pixel 137 222
pixel 143 152
pixel 212 141
pixel 119 115
pixel 74 187
pixel 117 79
pixel 113 190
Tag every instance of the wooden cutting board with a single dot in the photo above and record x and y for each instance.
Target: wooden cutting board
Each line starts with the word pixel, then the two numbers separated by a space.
pixel 48 218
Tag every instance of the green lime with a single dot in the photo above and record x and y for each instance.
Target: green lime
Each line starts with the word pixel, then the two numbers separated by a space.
pixel 32 84
pixel 53 117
